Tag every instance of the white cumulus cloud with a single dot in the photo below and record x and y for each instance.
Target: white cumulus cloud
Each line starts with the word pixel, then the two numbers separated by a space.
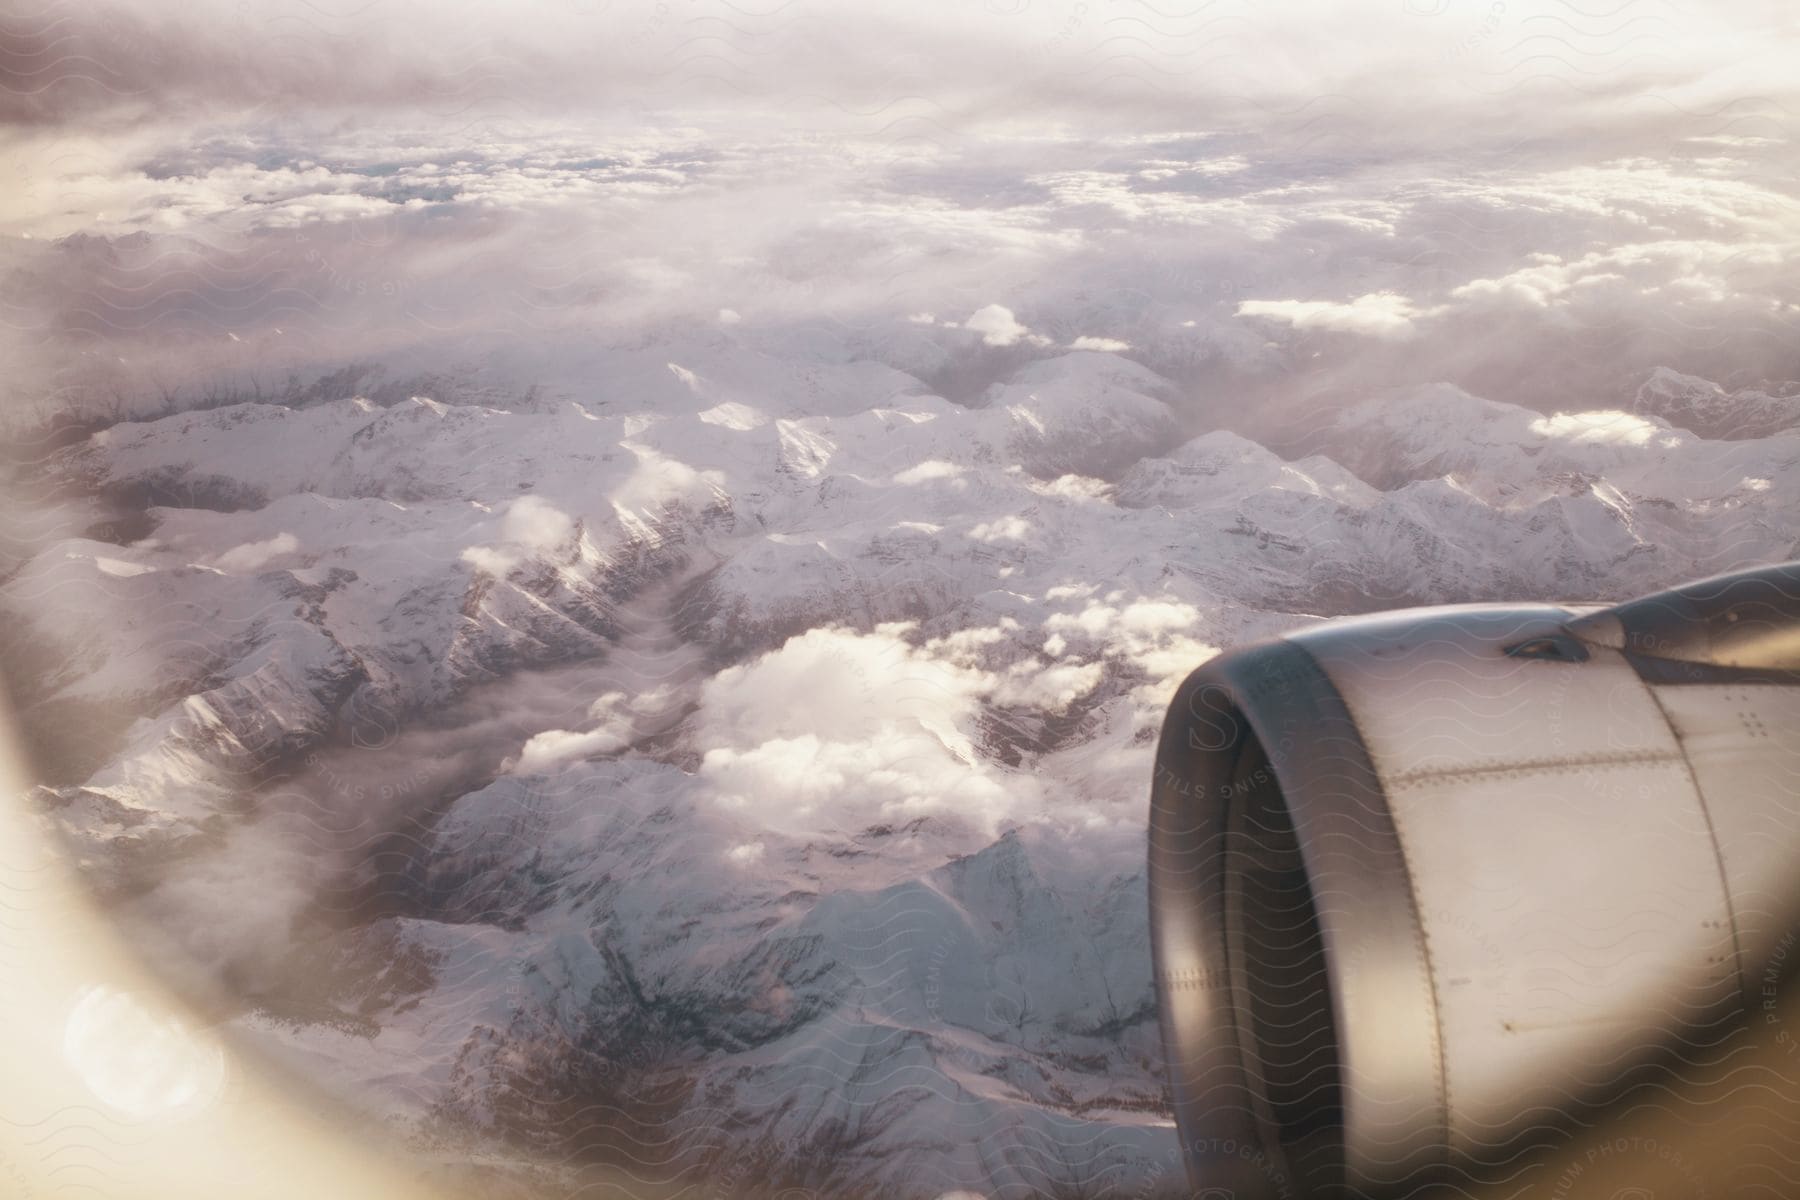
pixel 838 730
pixel 996 325
pixel 1378 314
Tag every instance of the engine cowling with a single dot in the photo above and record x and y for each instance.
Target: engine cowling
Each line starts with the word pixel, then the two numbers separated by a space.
pixel 1430 888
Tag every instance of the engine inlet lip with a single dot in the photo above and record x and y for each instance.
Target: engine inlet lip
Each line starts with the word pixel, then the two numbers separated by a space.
pixel 1274 699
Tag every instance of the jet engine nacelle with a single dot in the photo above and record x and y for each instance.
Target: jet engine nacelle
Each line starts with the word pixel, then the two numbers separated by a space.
pixel 1428 886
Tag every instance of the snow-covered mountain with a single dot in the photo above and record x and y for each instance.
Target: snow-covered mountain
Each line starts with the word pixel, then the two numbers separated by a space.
pixel 738 771
pixel 1709 410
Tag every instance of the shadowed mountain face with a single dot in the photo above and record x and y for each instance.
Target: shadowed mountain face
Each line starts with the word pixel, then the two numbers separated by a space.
pixel 598 582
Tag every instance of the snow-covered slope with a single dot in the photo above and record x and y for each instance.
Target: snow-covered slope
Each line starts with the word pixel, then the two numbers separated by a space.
pixel 745 763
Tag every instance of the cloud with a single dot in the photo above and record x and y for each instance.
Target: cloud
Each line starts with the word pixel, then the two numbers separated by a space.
pixel 530 527
pixel 1002 529
pixel 838 730
pixel 1379 314
pixel 1031 684
pixel 1154 636
pixel 996 325
pixel 537 524
pixel 1378 77
pixel 253 556
pixel 245 215
pixel 552 748
pixel 1599 428
pixel 842 685
pixel 929 471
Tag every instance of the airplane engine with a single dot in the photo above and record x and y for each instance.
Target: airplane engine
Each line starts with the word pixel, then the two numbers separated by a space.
pixel 1430 888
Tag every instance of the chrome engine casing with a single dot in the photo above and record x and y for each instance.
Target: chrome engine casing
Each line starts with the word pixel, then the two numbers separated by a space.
pixel 1431 887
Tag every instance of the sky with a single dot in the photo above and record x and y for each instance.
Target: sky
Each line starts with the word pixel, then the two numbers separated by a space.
pixel 1282 205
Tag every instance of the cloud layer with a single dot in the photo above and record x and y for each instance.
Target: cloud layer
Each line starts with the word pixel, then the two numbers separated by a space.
pixel 1515 198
